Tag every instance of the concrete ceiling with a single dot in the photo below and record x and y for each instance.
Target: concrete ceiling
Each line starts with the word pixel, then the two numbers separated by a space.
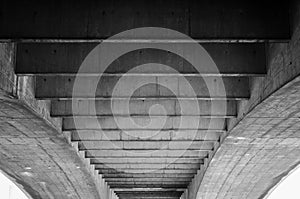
pixel 145 160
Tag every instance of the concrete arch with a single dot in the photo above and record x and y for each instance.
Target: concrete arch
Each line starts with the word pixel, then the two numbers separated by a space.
pixel 33 151
pixel 263 143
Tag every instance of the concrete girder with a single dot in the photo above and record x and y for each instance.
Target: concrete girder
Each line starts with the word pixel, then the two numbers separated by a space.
pixel 146 166
pixel 97 19
pixel 246 59
pixel 154 184
pixel 143 123
pixel 62 108
pixel 148 160
pixel 137 185
pixel 149 194
pixel 50 87
pixel 148 175
pixel 150 153
pixel 141 197
pixel 142 171
pixel 146 145
pixel 160 179
pixel 166 135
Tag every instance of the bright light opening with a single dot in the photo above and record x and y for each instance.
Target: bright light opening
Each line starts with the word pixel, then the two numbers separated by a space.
pixel 8 190
pixel 288 187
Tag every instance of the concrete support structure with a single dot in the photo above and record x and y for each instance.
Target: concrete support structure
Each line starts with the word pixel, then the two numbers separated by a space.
pixel 34 151
pixel 50 139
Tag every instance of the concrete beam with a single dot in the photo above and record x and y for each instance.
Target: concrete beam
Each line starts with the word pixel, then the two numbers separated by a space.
pixel 166 197
pixel 138 185
pixel 146 145
pixel 160 179
pixel 148 160
pixel 54 58
pixel 167 135
pixel 56 87
pixel 149 194
pixel 147 153
pixel 149 183
pixel 149 170
pixel 148 175
pixel 148 167
pixel 143 123
pixel 97 19
pixel 141 107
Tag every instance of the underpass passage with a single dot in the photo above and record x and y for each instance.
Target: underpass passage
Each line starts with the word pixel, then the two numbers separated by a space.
pixel 148 132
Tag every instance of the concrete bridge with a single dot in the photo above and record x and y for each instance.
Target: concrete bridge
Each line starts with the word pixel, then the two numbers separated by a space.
pixel 149 99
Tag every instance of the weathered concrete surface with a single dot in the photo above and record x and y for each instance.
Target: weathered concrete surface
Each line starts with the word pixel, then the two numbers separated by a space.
pixel 97 19
pixel 167 135
pixel 34 153
pixel 143 123
pixel 259 151
pixel 39 158
pixel 52 58
pixel 172 107
pixel 50 87
pixel 265 145
pixel 188 15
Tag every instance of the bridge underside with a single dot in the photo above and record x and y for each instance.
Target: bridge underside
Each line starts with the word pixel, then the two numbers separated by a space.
pixel 175 152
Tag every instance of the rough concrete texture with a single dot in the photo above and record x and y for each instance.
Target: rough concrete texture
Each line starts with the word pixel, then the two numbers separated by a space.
pixel 264 145
pixel 34 153
pixel 241 167
pixel 98 19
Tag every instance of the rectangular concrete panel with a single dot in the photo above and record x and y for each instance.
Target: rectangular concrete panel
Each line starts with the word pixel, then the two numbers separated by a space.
pixel 141 171
pixel 148 185
pixel 229 59
pixel 136 107
pixel 146 153
pixel 101 19
pixel 148 160
pixel 147 179
pixel 148 166
pixel 149 194
pixel 148 175
pixel 143 123
pixel 146 145
pixel 167 135
pixel 62 87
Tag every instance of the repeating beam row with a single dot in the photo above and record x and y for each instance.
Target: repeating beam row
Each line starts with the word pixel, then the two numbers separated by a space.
pixel 230 59
pixel 144 123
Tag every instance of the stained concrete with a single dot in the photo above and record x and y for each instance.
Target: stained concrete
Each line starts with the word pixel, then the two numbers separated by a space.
pixel 253 147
